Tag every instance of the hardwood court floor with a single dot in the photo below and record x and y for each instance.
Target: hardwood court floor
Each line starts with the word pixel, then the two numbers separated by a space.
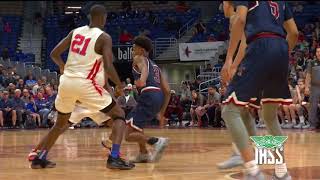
pixel 191 155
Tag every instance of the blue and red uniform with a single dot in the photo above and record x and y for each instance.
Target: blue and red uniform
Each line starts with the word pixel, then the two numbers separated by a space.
pixel 150 99
pixel 264 70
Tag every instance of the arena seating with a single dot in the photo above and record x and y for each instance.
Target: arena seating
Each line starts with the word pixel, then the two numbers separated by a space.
pixel 55 30
pixel 216 25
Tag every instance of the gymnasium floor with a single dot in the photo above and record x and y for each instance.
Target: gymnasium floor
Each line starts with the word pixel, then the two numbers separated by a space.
pixel 191 155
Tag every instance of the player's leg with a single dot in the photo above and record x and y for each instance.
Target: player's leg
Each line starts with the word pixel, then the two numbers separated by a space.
pixel 1 119
pixel 277 77
pixel 236 159
pixel 118 118
pixel 292 110
pixel 135 134
pixel 231 115
pixel 149 105
pixel 64 104
pixel 39 154
pixel 273 127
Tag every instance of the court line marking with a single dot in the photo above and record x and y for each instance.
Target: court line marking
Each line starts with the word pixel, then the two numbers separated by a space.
pixel 165 175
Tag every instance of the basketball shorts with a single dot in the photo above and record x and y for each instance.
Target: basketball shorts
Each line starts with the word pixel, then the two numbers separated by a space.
pixel 80 113
pixel 91 95
pixel 148 106
pixel 262 76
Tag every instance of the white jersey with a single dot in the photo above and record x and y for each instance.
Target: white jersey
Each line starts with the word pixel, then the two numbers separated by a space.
pixel 83 61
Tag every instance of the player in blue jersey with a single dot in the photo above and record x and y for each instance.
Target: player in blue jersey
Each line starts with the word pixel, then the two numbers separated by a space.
pixel 152 101
pixel 271 34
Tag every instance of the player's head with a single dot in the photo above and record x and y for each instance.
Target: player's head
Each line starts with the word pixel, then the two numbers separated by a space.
pixel 318 53
pixel 98 15
pixel 142 46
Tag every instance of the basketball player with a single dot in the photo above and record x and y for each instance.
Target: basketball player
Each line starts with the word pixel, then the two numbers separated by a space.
pixel 90 50
pixel 152 101
pixel 264 67
pixel 235 159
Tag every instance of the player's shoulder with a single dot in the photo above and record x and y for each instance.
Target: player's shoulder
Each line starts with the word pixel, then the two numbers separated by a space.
pixel 105 36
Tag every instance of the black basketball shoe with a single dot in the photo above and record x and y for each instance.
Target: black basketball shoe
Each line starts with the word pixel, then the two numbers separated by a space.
pixel 37 163
pixel 118 163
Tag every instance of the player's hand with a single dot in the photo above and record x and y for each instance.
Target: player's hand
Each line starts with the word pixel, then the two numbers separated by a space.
pixel 232 71
pixel 225 72
pixel 61 68
pixel 162 120
pixel 139 83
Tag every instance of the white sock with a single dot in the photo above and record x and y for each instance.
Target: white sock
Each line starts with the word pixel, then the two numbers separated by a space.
pixel 235 149
pixel 280 169
pixel 251 167
pixel 301 118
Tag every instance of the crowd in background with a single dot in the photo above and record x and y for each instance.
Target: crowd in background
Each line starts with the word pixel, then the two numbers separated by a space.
pixel 25 102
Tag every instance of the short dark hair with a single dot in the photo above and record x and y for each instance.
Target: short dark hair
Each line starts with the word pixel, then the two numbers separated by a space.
pixel 143 42
pixel 97 10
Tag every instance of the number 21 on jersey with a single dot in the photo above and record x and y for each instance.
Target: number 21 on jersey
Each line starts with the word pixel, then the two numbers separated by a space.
pixel 80 44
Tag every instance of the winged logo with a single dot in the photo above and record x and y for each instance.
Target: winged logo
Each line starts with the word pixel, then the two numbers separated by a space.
pixel 268 141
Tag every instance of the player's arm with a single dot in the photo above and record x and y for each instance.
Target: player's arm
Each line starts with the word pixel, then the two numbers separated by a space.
pixel 292 33
pixel 308 79
pixel 237 30
pixel 241 52
pixel 290 27
pixel 107 60
pixel 143 67
pixel 55 54
pixel 164 85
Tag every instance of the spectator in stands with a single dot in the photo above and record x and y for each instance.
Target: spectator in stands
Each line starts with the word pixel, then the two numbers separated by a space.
pixel 125 37
pixel 127 102
pixel 172 23
pixel 175 107
pixel 5 54
pixel 200 28
pixel 11 89
pixel 185 94
pixel 196 110
pixel 30 80
pixel 37 86
pixel 6 106
pixel 20 84
pixel 25 96
pixel 7 27
pixel 181 6
pixel 19 106
pixel 9 79
pixel 213 101
pixel 196 83
pixel 31 109
pixel 51 96
pixel 43 106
